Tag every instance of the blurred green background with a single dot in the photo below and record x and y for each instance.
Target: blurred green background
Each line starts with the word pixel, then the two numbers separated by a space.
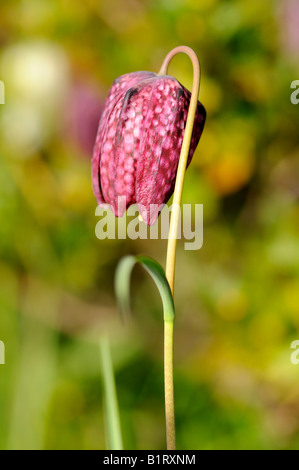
pixel 237 298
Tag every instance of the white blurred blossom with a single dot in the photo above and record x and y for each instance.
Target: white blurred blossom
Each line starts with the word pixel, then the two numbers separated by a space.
pixel 36 77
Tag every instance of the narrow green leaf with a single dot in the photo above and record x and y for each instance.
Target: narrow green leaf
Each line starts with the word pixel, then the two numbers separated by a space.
pixel 155 270
pixel 114 437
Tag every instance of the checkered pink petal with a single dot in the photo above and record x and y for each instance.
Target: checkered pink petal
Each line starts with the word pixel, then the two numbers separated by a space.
pixel 139 140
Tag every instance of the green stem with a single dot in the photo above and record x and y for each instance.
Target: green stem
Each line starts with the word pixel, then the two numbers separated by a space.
pixel 172 239
pixel 114 436
pixel 168 384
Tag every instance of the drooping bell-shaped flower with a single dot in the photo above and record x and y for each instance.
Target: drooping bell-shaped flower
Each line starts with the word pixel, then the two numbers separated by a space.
pixel 139 140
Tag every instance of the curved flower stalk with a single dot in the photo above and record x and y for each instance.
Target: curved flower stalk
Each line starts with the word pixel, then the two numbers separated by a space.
pixel 147 136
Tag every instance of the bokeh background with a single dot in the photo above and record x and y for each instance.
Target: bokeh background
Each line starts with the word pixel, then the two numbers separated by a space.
pixel 237 298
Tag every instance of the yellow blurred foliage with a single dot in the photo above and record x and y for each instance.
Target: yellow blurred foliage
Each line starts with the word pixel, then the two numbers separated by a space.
pixel 231 172
pixel 232 305
pixel 210 95
pixel 187 34
pixel 254 80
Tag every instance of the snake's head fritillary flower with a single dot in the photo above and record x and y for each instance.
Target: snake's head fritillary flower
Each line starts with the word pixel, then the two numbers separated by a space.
pixel 139 140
